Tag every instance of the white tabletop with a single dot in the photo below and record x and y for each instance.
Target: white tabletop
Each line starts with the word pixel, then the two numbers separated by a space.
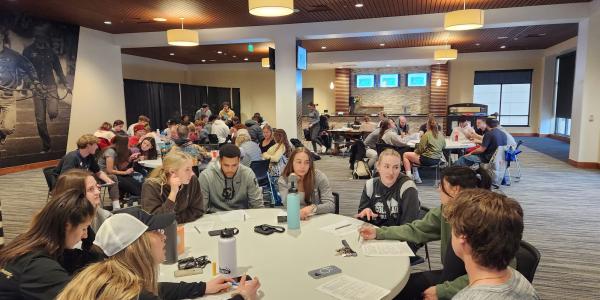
pixel 282 260
pixel 450 144
pixel 151 163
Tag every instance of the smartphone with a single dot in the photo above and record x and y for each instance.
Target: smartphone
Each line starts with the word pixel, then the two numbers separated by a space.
pixel 324 272
pixel 237 280
pixel 281 219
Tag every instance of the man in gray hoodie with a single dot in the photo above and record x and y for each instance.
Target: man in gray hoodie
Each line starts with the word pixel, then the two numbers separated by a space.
pixel 228 185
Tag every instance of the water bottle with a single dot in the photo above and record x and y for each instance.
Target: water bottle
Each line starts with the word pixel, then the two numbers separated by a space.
pixel 293 204
pixel 456 136
pixel 228 252
pixel 171 243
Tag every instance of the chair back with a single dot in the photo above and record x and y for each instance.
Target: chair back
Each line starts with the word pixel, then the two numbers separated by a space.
pixel 260 168
pixel 528 259
pixel 213 139
pixel 336 201
pixel 50 177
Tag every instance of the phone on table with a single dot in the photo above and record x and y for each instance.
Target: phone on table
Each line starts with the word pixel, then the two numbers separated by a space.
pixel 281 219
pixel 324 272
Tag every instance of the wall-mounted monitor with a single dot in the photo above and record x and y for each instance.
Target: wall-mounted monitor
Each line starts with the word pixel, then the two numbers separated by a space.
pixel 416 79
pixel 300 58
pixel 365 81
pixel 388 80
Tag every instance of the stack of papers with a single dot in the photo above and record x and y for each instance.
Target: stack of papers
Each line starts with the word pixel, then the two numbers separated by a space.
pixel 386 248
pixel 343 227
pixel 345 287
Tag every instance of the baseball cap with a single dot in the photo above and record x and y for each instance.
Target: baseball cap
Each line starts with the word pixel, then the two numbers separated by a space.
pixel 126 226
pixel 139 127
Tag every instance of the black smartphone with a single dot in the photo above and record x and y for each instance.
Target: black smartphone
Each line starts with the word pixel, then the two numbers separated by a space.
pixel 281 219
pixel 237 279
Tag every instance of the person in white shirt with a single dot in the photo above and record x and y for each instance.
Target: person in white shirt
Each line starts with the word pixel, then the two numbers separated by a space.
pixel 221 130
pixel 464 129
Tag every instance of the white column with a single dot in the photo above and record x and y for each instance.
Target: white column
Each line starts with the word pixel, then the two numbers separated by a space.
pixel 288 86
pixel 585 128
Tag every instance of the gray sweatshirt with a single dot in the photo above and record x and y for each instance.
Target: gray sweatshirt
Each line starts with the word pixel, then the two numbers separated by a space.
pixel 391 137
pixel 313 117
pixel 321 196
pixel 245 189
pixel 372 139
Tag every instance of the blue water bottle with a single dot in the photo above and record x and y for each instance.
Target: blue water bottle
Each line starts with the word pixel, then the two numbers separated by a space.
pixel 293 204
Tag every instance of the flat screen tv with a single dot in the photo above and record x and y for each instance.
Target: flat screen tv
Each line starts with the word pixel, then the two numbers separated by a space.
pixel 365 81
pixel 388 80
pixel 300 58
pixel 416 79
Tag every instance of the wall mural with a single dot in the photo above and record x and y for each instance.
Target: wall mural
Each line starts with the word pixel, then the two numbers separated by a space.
pixel 37 70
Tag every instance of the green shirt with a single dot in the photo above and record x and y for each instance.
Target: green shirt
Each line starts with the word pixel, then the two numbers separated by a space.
pixel 430 146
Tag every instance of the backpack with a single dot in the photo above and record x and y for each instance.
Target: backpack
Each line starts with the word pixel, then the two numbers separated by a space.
pixel 361 170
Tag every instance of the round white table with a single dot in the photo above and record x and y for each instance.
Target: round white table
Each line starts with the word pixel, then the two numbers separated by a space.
pixel 151 163
pixel 282 260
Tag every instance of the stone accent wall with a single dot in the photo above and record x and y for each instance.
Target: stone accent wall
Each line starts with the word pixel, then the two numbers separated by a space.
pixel 414 122
pixel 403 99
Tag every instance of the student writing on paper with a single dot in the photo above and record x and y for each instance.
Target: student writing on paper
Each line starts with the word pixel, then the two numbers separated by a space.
pixel 445 283
pixel 487 228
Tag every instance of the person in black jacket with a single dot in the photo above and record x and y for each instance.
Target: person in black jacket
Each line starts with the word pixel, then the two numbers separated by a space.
pixel 30 265
pixel 134 244
pixel 392 198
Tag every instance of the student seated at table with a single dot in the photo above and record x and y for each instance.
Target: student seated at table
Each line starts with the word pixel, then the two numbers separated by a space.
pixel 104 135
pixel 118 160
pixel 226 113
pixel 249 149
pixel 254 130
pixel 83 158
pixel 85 183
pixel 392 198
pixel 30 264
pixel 445 283
pixel 464 129
pixel 428 152
pixel 402 126
pixel 134 244
pixel 389 135
pixel 423 129
pixel 279 153
pixel 318 198
pixel 147 148
pixel 139 131
pixel 371 147
pixel 220 129
pixel 228 185
pixel 367 125
pixel 381 116
pixel 174 188
pixel 142 120
pixel 487 228
pixel 268 141
pixel 492 139
pixel 184 144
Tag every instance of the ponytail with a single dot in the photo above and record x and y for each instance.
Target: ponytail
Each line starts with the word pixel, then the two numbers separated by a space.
pixel 467 178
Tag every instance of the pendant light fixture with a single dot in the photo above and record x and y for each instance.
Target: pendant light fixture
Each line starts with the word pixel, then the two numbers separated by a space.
pixel 445 54
pixel 271 8
pixel 182 37
pixel 465 19
pixel 331 86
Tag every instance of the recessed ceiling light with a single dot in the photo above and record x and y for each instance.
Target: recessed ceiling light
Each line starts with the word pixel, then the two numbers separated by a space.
pixel 359 5
pixel 160 19
pixel 502 37
pixel 220 52
pixel 382 44
pixel 477 44
pixel 503 47
pixel 213 60
pixel 107 22
pixel 323 47
pixel 245 58
pixel 204 60
pixel 171 54
pixel 234 56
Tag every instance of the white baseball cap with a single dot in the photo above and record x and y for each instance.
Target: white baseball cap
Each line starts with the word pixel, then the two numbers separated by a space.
pixel 126 226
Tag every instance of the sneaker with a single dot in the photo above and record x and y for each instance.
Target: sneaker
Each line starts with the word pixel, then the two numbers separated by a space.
pixel 416 179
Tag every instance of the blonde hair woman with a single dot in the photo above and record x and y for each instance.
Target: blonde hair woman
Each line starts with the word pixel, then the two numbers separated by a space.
pixel 392 198
pixel 174 188
pixel 135 245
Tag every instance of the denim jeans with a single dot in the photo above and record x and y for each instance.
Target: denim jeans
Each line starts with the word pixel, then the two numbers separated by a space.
pixel 468 160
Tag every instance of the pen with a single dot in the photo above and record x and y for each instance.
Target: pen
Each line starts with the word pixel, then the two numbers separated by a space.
pixel 197 229
pixel 342 226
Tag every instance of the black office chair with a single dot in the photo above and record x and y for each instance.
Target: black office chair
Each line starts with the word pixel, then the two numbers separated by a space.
pixel 51 178
pixel 528 259
pixel 261 170
pixel 336 201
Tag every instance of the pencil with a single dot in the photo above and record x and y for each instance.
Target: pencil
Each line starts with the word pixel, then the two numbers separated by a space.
pixel 342 226
pixel 197 229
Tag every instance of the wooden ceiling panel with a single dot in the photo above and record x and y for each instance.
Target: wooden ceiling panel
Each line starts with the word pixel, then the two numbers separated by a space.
pixel 136 15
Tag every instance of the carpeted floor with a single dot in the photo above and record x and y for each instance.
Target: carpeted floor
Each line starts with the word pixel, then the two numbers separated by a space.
pixel 555 148
pixel 561 205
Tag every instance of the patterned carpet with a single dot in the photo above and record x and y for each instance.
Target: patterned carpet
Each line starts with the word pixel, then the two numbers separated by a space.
pixel 561 205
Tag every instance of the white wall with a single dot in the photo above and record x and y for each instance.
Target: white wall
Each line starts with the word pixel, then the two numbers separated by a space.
pixel 98 87
pixel 148 69
pixel 462 75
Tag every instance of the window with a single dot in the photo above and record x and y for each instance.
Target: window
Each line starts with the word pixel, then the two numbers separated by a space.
pixel 506 92
pixel 388 80
pixel 365 81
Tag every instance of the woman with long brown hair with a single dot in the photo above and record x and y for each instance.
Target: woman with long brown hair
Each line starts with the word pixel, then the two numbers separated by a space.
pixel 318 198
pixel 135 246
pixel 428 152
pixel 117 160
pixel 30 265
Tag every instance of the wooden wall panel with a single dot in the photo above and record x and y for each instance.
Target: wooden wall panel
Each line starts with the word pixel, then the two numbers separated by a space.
pixel 439 94
pixel 342 90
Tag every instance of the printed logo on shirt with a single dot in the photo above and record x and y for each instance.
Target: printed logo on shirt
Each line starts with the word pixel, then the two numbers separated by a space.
pixel 380 209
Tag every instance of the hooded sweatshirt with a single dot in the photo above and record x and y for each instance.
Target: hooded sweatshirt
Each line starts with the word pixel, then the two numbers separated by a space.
pixel 244 188
pixel 221 130
pixel 254 130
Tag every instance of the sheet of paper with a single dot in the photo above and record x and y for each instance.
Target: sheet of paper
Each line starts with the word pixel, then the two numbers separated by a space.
pixel 344 227
pixel 386 248
pixel 234 215
pixel 344 287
